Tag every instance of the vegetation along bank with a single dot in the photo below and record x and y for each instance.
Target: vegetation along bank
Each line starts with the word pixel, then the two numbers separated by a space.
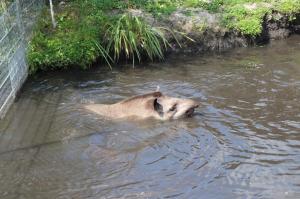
pixel 109 31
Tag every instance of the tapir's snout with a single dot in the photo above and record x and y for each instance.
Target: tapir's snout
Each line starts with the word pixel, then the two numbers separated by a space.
pixel 197 105
pixel 189 112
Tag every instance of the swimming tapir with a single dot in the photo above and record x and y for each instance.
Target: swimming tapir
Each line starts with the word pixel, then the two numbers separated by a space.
pixel 154 104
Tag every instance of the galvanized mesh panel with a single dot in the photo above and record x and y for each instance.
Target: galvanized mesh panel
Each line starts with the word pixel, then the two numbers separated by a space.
pixel 16 24
pixel 6 92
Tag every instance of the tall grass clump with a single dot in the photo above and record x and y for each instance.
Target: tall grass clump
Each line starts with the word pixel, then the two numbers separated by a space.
pixel 131 38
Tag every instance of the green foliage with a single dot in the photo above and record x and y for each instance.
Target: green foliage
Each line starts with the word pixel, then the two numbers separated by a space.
pixel 247 15
pixel 73 49
pixel 131 37
pixel 85 34
pixel 212 6
pixel 162 7
pixel 74 43
pixel 247 21
pixel 237 16
pixel 109 4
pixel 288 6
pixel 90 30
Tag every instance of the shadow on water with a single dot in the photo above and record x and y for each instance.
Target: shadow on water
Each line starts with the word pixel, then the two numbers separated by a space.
pixel 243 142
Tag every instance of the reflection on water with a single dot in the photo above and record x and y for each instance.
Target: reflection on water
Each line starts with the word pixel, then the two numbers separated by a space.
pixel 243 143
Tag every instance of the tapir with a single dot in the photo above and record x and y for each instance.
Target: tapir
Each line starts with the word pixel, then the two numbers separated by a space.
pixel 151 105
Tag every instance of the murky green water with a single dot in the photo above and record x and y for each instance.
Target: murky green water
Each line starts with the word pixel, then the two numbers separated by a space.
pixel 243 143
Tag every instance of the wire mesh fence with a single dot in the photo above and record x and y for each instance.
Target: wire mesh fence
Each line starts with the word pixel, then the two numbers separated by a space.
pixel 16 24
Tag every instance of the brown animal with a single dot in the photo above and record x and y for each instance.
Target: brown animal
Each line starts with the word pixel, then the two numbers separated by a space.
pixel 155 105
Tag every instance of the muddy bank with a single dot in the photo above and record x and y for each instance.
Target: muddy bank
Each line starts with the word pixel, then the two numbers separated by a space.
pixel 210 34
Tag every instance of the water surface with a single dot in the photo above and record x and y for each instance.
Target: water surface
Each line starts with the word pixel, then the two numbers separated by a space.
pixel 244 141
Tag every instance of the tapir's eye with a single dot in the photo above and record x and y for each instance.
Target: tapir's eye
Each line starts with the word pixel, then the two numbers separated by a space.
pixel 173 108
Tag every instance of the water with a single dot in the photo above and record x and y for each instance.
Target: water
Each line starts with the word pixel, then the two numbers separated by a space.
pixel 244 141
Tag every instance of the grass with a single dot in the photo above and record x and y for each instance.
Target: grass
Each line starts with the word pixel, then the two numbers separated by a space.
pixel 213 6
pixel 74 43
pixel 288 6
pixel 85 34
pixel 236 14
pixel 131 37
pixel 247 16
pixel 103 30
pixel 241 18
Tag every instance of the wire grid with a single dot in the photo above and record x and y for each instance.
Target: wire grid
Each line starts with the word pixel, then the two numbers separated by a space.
pixel 16 24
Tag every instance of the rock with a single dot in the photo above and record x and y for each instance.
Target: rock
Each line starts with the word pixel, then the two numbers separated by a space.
pixel 145 15
pixel 295 24
pixel 205 29
pixel 253 6
pixel 278 26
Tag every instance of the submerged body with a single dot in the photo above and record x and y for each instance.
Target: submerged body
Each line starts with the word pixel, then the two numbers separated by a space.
pixel 155 105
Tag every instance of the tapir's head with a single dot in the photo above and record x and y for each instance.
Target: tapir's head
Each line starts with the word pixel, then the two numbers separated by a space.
pixel 174 108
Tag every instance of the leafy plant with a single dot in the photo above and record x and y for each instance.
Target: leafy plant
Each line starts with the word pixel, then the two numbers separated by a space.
pixel 131 37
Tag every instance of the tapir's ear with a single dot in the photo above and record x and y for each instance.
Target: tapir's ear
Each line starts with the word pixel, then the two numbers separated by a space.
pixel 157 94
pixel 158 107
